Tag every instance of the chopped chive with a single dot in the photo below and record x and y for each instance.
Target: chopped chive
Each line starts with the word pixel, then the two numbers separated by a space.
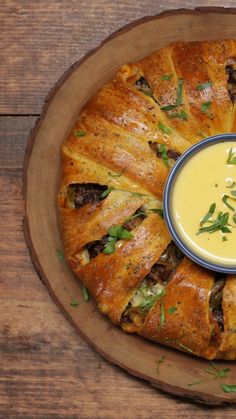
pixel 195 383
pixel 181 115
pixel 163 151
pixel 231 157
pixel 159 362
pixel 208 214
pixel 185 348
pixel 60 255
pixel 203 86
pixel 106 192
pixel 218 373
pixel 179 92
pixel 225 199
pixel 164 128
pixel 74 303
pixel 135 216
pixel 159 211
pixel 79 133
pixel 171 310
pixel 228 388
pixel 234 217
pixel 168 107
pixel 116 174
pixel 85 293
pixel 220 224
pixel 205 106
pixel 162 317
pixel 167 76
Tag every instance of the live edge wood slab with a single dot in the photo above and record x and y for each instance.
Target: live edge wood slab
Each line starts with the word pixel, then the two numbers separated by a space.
pixel 139 357
pixel 47 369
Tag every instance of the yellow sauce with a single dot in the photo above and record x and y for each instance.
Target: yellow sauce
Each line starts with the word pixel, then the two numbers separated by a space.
pixel 202 181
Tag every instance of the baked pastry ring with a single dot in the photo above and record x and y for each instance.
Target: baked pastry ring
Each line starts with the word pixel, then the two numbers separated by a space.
pixel 114 167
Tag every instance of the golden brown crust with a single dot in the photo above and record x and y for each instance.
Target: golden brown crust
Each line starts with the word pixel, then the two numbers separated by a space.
pixel 110 146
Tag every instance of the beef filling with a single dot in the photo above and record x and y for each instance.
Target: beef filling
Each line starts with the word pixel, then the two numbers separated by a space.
pixel 167 262
pixel 96 247
pixel 171 154
pixel 144 87
pixel 216 300
pixel 85 193
pixel 153 285
pixel 231 72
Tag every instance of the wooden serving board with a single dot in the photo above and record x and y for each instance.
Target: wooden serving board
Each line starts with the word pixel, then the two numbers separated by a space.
pixel 41 183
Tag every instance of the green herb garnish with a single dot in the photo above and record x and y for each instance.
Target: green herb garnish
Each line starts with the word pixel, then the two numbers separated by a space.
pixel 74 303
pixel 164 128
pixel 184 347
pixel 205 106
pixel 162 150
pixel 225 199
pixel 115 233
pixel 162 317
pixel 218 373
pixel 224 239
pixel 220 224
pixel 181 115
pixel 231 157
pixel 116 174
pixel 159 362
pixel 228 388
pixel 234 217
pixel 79 133
pixel 179 92
pixel 203 86
pixel 85 293
pixel 167 76
pixel 149 296
pixel 135 216
pixel 233 193
pixel 171 310
pixel 106 192
pixel 159 211
pixel 168 107
pixel 195 383
pixel 208 214
pixel 60 255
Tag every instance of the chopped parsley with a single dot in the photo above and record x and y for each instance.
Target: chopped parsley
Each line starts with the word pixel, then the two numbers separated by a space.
pixel 115 233
pixel 228 388
pixel 203 86
pixel 164 128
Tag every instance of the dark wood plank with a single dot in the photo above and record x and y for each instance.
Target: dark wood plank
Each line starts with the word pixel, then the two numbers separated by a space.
pixel 42 39
pixel 46 369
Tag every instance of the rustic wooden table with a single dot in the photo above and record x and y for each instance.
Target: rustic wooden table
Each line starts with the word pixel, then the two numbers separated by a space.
pixel 47 370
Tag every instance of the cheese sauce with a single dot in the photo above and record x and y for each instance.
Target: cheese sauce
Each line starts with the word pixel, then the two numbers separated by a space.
pixel 202 182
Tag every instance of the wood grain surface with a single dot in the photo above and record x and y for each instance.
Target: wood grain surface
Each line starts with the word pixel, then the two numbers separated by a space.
pixel 46 369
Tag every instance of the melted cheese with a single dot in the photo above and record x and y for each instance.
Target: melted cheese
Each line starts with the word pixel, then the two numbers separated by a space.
pixel 202 181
